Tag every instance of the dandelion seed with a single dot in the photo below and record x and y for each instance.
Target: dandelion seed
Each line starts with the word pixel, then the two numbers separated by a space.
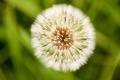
pixel 63 38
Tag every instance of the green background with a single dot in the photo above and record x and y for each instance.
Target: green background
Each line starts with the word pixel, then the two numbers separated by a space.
pixel 16 54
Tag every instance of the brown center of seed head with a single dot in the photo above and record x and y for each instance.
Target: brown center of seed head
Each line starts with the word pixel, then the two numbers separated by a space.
pixel 62 38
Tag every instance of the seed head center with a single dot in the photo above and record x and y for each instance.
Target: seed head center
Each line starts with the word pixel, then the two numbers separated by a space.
pixel 62 38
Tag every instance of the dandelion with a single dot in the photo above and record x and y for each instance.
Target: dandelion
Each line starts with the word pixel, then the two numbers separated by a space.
pixel 63 38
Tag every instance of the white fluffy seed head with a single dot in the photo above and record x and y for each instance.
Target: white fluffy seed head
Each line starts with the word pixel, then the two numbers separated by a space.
pixel 63 38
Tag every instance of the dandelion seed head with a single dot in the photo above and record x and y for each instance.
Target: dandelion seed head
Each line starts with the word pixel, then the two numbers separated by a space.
pixel 63 38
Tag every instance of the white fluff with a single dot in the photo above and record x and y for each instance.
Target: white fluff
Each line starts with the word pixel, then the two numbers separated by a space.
pixel 83 32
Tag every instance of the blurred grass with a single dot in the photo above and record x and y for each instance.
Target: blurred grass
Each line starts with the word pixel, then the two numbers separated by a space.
pixel 16 54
